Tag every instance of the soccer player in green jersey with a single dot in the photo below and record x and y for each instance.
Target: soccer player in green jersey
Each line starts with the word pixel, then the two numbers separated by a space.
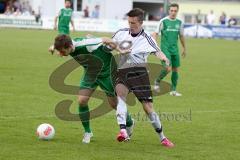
pixel 63 18
pixel 97 47
pixel 171 29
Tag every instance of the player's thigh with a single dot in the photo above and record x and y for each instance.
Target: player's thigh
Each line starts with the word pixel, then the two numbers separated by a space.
pixel 106 84
pixel 86 90
pixel 140 85
pixel 121 90
pixel 121 86
pixel 113 101
pixel 175 61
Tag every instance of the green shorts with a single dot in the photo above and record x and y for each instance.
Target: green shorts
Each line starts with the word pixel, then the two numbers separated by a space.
pixel 105 83
pixel 63 31
pixel 174 59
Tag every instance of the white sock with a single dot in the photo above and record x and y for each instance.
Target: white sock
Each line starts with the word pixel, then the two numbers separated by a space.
pixel 154 118
pixel 121 112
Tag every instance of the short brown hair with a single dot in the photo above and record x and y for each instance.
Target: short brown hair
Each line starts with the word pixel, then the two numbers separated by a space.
pixel 136 12
pixel 62 41
pixel 174 5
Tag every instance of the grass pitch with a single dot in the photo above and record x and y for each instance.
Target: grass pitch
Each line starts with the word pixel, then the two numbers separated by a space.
pixel 209 81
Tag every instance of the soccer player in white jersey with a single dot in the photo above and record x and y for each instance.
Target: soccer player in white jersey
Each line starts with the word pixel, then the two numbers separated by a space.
pixel 132 74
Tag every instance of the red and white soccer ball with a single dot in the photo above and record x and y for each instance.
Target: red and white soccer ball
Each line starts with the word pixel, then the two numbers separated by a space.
pixel 45 131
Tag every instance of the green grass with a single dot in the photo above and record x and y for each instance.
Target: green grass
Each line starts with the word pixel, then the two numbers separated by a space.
pixel 209 81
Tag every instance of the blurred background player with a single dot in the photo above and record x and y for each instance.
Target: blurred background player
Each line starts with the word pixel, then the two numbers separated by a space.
pixel 170 28
pixel 64 18
pixel 100 70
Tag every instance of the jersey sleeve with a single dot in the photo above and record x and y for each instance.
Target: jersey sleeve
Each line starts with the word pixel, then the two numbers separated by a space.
pixel 159 27
pixel 59 13
pixel 87 42
pixel 72 15
pixel 152 45
pixel 181 32
pixel 115 36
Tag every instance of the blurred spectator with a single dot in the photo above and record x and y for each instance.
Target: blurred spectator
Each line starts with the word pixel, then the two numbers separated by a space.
pixel 86 12
pixel 26 8
pixel 223 19
pixel 8 10
pixel 17 12
pixel 96 12
pixel 151 18
pixel 199 18
pixel 211 18
pixel 37 15
pixel 162 14
pixel 2 7
pixel 17 6
pixel 232 22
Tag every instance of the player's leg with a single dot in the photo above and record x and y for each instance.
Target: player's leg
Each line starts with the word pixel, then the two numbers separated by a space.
pixel 144 94
pixel 156 123
pixel 107 85
pixel 83 98
pixel 175 75
pixel 113 101
pixel 163 73
pixel 121 112
pixel 87 87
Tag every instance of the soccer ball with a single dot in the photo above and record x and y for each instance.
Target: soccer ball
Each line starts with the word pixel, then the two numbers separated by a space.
pixel 125 45
pixel 45 131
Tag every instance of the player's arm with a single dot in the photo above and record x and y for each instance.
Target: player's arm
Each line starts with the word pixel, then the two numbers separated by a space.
pixel 116 38
pixel 56 20
pixel 158 31
pixel 162 57
pixel 182 40
pixel 72 23
pixel 155 36
pixel 157 51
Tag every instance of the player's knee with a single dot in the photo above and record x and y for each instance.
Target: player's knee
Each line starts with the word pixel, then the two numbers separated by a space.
pixel 83 100
pixel 113 105
pixel 168 69
pixel 174 69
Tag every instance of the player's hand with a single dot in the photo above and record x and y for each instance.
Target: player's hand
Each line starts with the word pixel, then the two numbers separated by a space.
pixel 163 57
pixel 124 51
pixel 51 49
pixel 107 40
pixel 184 53
pixel 90 36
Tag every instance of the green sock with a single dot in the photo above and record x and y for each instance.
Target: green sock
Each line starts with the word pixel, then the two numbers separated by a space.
pixel 84 116
pixel 162 74
pixel 129 121
pixel 174 79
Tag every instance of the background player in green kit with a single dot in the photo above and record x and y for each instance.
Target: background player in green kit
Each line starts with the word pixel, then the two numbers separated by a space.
pixel 94 50
pixel 63 18
pixel 170 28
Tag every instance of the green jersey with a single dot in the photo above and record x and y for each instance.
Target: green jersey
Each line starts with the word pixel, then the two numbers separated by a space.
pixel 170 29
pixel 64 18
pixel 93 56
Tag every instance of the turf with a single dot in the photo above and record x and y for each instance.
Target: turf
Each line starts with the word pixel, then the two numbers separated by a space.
pixel 208 129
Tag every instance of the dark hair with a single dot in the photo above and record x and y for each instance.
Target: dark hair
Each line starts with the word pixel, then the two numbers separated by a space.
pixel 174 5
pixel 62 41
pixel 136 12
pixel 68 1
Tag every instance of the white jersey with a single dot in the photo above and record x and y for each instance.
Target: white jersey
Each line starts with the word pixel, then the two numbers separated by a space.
pixel 142 45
